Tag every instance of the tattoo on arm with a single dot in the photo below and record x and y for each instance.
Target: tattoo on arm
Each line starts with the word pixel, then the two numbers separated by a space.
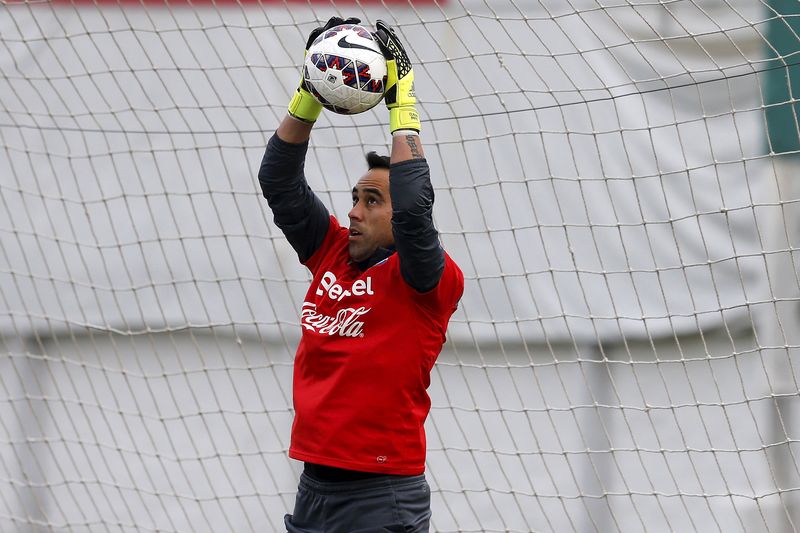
pixel 412 141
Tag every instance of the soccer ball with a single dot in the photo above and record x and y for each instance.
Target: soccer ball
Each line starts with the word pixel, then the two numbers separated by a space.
pixel 345 69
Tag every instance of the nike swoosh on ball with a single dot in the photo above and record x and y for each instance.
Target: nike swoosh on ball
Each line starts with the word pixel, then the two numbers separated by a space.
pixel 344 43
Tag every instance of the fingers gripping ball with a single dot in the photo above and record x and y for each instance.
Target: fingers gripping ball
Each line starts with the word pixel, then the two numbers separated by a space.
pixel 345 69
pixel 400 97
pixel 304 106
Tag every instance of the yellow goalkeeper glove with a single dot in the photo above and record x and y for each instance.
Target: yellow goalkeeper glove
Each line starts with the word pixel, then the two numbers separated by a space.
pixel 303 105
pixel 399 96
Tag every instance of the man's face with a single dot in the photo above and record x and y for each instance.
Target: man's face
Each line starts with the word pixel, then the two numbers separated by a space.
pixel 371 215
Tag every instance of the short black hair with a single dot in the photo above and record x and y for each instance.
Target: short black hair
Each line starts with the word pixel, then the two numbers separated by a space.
pixel 374 160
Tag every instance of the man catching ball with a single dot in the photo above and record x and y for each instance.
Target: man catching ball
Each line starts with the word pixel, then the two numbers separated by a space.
pixel 374 318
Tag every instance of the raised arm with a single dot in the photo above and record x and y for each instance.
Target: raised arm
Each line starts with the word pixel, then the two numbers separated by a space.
pixel 415 237
pixel 297 211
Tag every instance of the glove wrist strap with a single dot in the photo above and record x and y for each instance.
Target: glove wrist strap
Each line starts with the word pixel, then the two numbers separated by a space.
pixel 404 118
pixel 304 106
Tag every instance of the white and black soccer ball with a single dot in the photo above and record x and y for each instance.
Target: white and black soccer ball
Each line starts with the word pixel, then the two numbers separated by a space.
pixel 345 69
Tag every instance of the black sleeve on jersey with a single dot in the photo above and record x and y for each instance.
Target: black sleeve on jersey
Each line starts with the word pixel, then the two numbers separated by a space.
pixel 415 237
pixel 297 211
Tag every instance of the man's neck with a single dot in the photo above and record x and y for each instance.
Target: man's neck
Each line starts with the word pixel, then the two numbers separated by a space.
pixel 377 256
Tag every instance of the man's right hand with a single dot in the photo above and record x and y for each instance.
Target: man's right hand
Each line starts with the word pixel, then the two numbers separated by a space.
pixel 303 105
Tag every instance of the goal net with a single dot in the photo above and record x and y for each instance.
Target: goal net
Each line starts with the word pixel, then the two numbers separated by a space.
pixel 617 180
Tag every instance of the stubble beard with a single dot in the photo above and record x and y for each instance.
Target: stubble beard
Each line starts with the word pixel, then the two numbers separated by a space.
pixel 358 251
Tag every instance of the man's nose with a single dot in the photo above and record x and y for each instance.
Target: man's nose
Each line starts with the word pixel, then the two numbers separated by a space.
pixel 355 212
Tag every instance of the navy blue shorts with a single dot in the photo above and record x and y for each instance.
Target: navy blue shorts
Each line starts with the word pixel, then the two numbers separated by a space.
pixel 381 504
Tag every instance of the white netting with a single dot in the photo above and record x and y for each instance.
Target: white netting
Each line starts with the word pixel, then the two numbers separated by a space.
pixel 625 357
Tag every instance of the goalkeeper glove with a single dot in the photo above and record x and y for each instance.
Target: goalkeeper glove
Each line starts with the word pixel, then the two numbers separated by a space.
pixel 303 105
pixel 399 95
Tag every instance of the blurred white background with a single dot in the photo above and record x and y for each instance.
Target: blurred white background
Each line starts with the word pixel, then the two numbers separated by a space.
pixel 625 354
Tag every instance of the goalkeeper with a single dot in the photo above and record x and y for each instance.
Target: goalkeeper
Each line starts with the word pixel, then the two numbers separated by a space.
pixel 373 320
